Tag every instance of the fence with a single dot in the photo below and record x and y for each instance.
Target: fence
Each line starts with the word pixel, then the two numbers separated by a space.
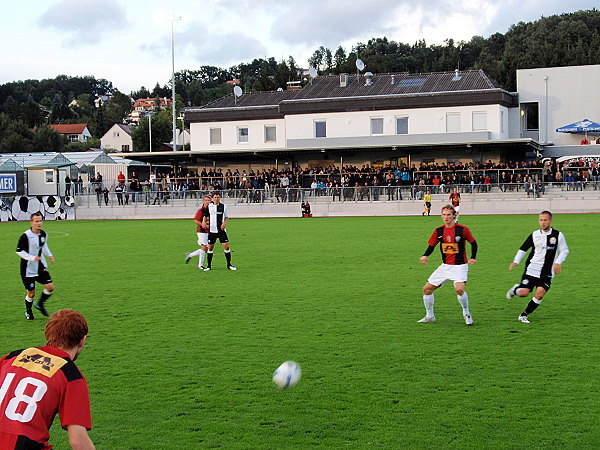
pixel 167 197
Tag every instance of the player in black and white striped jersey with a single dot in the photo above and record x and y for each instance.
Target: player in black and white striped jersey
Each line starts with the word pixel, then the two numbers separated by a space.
pixel 549 252
pixel 219 216
pixel 32 246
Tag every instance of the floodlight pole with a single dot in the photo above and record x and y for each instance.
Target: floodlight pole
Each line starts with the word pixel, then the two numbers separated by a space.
pixel 173 19
pixel 150 131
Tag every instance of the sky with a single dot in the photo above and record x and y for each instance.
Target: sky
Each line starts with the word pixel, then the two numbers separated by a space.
pixel 128 42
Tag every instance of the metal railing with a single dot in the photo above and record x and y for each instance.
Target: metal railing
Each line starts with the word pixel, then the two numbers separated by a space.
pixel 166 198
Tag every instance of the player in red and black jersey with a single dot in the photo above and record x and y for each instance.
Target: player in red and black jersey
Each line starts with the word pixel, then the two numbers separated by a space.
pixel 202 221
pixel 452 238
pixel 455 200
pixel 37 383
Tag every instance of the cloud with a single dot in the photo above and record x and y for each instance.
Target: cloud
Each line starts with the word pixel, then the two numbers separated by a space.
pixel 208 45
pixel 84 21
pixel 330 21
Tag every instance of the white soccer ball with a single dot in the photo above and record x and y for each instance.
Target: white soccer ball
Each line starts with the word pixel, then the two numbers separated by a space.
pixel 287 375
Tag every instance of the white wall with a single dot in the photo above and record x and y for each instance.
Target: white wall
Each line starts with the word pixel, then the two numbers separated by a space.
pixel 85 135
pixel 420 121
pixel 200 135
pixel 573 95
pixel 37 185
pixel 344 125
pixel 115 138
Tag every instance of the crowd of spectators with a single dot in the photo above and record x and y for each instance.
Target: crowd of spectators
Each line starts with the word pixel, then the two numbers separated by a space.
pixel 355 182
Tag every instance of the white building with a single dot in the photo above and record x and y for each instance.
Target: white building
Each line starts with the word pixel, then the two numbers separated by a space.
pixel 553 97
pixel 118 138
pixel 394 119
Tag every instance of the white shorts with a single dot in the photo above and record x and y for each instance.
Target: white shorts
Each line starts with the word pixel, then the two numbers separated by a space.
pixel 449 272
pixel 202 238
pixel 457 209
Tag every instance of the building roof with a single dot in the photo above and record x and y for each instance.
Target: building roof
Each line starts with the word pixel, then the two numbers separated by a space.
pixel 386 91
pixel 53 159
pixel 69 128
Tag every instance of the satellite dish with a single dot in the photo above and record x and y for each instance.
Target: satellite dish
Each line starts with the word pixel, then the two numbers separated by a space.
pixel 312 72
pixel 279 89
pixel 237 91
pixel 360 65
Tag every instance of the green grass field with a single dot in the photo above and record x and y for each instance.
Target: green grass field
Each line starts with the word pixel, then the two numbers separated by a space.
pixel 180 359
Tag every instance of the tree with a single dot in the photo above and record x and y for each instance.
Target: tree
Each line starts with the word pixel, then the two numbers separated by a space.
pixel 15 136
pixel 162 131
pixel 45 139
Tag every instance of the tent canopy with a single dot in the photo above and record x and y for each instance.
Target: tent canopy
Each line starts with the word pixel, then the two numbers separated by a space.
pixel 584 126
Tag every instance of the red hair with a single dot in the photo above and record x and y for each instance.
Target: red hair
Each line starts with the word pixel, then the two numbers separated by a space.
pixel 65 329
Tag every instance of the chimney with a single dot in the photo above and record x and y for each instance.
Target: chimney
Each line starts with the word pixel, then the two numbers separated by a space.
pixel 368 79
pixel 343 79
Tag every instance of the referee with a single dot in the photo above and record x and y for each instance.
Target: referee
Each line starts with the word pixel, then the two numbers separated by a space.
pixel 218 218
pixel 32 247
pixel 545 260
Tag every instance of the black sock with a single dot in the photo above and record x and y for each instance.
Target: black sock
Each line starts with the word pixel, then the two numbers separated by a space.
pixel 228 258
pixel 530 308
pixel 28 305
pixel 209 256
pixel 44 297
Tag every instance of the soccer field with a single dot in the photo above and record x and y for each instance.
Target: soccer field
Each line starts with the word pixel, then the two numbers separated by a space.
pixel 179 359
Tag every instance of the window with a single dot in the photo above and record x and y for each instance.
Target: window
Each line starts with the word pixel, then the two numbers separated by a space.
pixel 215 136
pixel 124 148
pixel 479 120
pixel 49 176
pixel 320 129
pixel 530 116
pixel 270 133
pixel 242 135
pixel 412 82
pixel 377 126
pixel 401 125
pixel 453 123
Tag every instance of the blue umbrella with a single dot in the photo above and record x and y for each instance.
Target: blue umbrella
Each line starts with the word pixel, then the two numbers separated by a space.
pixel 584 126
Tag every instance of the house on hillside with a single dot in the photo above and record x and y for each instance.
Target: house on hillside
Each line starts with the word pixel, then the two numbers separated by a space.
pixel 75 132
pixel 149 104
pixel 118 138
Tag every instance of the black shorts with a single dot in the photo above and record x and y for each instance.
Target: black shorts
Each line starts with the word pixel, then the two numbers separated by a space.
pixel 529 282
pixel 43 278
pixel 221 235
pixel 428 205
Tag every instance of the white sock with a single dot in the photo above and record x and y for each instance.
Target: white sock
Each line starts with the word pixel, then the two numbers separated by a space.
pixel 201 253
pixel 464 302
pixel 196 253
pixel 428 301
pixel 29 299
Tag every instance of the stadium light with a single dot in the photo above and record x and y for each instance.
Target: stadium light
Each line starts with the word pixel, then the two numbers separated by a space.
pixel 173 19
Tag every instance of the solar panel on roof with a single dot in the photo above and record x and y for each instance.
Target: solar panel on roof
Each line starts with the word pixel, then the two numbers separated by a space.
pixel 412 82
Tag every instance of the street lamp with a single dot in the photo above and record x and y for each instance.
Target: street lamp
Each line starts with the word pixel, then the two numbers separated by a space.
pixel 173 19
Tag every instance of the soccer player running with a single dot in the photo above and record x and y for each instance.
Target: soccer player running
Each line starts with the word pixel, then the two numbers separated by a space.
pixel 37 383
pixel 218 221
pixel 452 238
pixel 455 200
pixel 545 260
pixel 32 246
pixel 202 220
